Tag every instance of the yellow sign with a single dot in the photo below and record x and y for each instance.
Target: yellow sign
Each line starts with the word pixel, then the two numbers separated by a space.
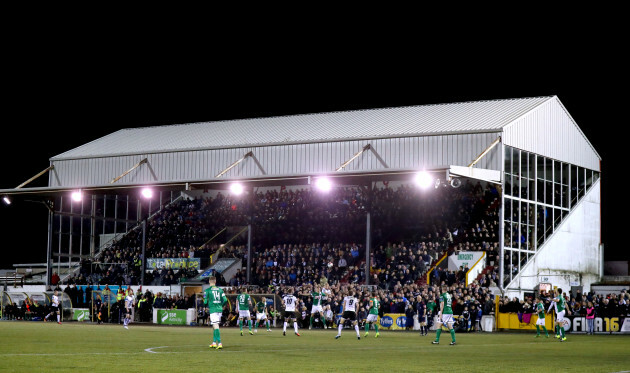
pixel 392 321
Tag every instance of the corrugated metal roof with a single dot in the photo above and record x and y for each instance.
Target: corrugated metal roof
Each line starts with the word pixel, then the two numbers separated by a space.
pixel 423 120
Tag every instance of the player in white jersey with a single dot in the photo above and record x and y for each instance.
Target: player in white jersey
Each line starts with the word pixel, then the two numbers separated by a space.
pixel 128 308
pixel 350 304
pixel 55 308
pixel 289 302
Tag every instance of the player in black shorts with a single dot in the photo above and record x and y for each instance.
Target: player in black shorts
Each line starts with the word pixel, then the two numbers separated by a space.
pixel 289 302
pixel 350 304
pixel 288 315
pixel 55 308
pixel 349 315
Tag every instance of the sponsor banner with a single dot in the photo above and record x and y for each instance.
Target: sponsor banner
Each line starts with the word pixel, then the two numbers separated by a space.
pixel 80 314
pixel 393 321
pixel 522 321
pixel 464 258
pixel 171 317
pixel 173 263
pixel 614 325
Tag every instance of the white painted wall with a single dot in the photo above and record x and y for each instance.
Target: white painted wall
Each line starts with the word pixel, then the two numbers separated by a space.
pixel 609 289
pixel 572 255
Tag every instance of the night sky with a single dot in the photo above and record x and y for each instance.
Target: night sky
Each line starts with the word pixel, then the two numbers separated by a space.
pixel 63 104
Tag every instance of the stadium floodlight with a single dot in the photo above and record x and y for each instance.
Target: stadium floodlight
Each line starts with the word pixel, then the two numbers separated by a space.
pixel 423 179
pixel 147 193
pixel 77 196
pixel 324 184
pixel 456 182
pixel 6 200
pixel 237 189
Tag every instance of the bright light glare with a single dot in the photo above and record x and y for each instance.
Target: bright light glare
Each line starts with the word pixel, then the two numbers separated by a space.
pixel 147 193
pixel 236 188
pixel 323 184
pixel 424 180
pixel 6 200
pixel 77 196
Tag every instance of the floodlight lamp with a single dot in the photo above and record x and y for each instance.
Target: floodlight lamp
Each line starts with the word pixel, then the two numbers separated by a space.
pixel 147 193
pixel 76 196
pixel 236 188
pixel 423 179
pixel 6 200
pixel 324 184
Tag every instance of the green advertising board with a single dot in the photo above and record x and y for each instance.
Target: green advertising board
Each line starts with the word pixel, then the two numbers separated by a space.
pixel 171 317
pixel 80 314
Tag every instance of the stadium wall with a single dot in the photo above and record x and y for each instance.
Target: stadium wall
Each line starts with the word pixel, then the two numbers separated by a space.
pixel 572 256
pixel 550 131
pixel 403 153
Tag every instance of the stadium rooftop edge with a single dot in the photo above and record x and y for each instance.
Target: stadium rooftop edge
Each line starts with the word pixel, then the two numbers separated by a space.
pixel 422 120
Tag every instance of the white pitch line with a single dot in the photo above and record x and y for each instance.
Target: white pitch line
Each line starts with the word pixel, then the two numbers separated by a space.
pixel 150 349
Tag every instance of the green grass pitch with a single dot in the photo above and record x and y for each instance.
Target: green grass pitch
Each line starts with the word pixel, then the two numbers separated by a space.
pixel 73 347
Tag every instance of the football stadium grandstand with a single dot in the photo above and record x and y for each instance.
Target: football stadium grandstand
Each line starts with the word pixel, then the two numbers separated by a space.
pixel 499 200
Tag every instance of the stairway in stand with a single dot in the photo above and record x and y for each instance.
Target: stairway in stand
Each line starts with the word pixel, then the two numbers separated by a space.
pixel 488 268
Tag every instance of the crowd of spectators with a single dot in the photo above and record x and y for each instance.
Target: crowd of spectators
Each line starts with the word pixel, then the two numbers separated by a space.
pixel 290 264
pixel 411 229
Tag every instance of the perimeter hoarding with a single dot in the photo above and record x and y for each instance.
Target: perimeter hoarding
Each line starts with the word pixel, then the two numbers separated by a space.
pixel 393 321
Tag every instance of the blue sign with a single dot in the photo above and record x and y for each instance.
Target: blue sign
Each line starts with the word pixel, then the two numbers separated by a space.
pixel 401 321
pixel 386 321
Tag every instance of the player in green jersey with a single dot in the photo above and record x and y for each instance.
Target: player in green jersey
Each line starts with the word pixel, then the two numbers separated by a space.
pixel 372 317
pixel 215 300
pixel 561 308
pixel 261 314
pixel 243 302
pixel 445 315
pixel 317 307
pixel 540 310
pixel 553 308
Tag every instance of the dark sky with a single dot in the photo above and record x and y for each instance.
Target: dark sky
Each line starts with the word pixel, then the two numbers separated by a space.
pixel 60 105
